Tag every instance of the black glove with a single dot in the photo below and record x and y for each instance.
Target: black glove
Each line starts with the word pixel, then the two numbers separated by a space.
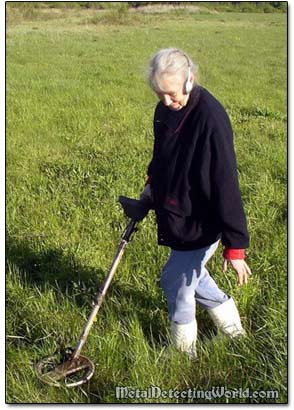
pixel 137 209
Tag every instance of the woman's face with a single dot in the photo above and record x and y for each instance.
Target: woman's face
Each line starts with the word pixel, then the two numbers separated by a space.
pixel 172 91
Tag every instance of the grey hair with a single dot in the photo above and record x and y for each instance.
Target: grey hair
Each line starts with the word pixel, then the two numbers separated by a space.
pixel 172 61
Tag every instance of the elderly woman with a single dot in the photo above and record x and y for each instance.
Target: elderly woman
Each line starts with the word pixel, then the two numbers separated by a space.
pixel 193 187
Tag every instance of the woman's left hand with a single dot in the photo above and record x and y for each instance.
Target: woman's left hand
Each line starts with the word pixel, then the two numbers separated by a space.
pixel 240 267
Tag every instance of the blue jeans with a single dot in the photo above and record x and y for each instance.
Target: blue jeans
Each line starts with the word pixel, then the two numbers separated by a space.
pixel 185 281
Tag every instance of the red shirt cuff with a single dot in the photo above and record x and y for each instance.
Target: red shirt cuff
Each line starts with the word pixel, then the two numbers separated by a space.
pixel 234 253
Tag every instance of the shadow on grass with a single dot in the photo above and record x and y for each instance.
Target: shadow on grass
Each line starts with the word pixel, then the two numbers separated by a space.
pixel 63 273
pixel 54 268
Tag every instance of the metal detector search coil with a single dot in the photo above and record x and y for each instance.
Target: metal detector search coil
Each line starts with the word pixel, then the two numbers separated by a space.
pixel 71 373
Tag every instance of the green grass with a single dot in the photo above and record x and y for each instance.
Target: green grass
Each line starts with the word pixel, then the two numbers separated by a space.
pixel 79 134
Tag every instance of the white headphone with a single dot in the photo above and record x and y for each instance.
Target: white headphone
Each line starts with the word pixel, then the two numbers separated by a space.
pixel 188 84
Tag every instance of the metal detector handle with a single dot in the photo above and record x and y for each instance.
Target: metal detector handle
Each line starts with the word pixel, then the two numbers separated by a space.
pixel 129 230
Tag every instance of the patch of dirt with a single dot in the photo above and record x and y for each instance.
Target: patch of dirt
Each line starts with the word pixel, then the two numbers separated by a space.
pixel 162 8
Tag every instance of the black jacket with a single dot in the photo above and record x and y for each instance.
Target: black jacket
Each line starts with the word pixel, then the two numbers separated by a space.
pixel 193 176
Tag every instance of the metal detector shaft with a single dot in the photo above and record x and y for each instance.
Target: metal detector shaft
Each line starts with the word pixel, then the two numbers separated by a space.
pixel 102 291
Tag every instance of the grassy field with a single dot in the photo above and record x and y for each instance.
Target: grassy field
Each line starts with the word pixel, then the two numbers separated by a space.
pixel 79 134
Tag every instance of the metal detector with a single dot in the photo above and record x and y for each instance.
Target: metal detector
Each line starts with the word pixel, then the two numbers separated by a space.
pixel 69 368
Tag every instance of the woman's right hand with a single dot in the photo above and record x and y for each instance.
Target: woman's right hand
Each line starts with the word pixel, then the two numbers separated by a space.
pixel 240 267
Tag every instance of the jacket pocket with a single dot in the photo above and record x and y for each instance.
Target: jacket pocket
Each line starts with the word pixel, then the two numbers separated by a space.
pixel 177 228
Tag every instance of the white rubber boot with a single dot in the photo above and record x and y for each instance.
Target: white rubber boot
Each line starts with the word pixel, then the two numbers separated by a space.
pixel 227 320
pixel 184 337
